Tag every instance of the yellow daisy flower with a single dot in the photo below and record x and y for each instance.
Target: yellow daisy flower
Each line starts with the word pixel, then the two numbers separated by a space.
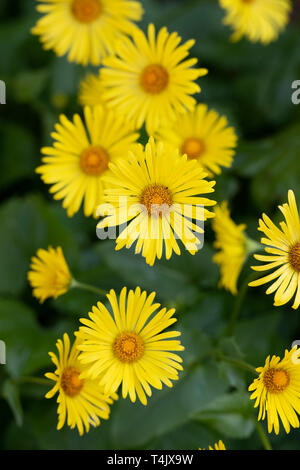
pixel 86 30
pixel 49 274
pixel 81 402
pixel 283 254
pixel 80 155
pixel 129 346
pixel 258 20
pixel 202 135
pixel 218 446
pixel 231 241
pixel 149 80
pixel 90 91
pixel 277 391
pixel 156 192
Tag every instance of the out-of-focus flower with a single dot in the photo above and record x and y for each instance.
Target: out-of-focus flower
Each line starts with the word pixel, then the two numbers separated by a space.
pixel 218 446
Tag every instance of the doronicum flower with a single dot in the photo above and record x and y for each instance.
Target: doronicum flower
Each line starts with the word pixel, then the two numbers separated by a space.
pixel 91 91
pixel 218 446
pixel 81 402
pixel 202 135
pixel 86 30
pixel 282 254
pixel 76 163
pixel 157 193
pixel 277 391
pixel 49 274
pixel 258 20
pixel 129 346
pixel 150 80
pixel 233 245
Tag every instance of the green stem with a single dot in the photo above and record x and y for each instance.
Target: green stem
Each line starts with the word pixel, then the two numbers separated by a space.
pixel 81 285
pixel 238 304
pixel 237 362
pixel 263 437
pixel 34 380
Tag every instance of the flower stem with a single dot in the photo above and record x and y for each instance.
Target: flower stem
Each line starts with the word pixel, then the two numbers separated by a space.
pixel 237 362
pixel 238 304
pixel 81 285
pixel 263 437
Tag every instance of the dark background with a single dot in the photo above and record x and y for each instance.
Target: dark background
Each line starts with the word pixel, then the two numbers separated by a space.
pixel 251 84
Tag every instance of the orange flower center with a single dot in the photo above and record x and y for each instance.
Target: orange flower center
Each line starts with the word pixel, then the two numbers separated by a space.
pixel 154 79
pixel 70 382
pixel 276 380
pixel 128 347
pixel 157 199
pixel 94 161
pixel 294 257
pixel 86 11
pixel 193 147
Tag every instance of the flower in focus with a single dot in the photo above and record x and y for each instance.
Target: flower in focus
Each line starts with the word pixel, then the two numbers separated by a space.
pixel 258 20
pixel 130 346
pixel 81 402
pixel 202 135
pixel 158 193
pixel 75 165
pixel 86 30
pixel 218 446
pixel 149 80
pixel 231 241
pixel 49 274
pixel 91 91
pixel 277 391
pixel 283 254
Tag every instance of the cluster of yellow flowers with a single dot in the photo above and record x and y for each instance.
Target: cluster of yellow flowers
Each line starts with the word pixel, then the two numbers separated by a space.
pixel 149 80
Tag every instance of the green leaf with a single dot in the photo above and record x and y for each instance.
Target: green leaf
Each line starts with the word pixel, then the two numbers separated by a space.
pixel 10 393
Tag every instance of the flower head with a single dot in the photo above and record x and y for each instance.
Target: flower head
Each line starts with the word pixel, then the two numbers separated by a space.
pixel 231 242
pixel 277 391
pixel 149 80
pixel 282 254
pixel 158 193
pixel 129 345
pixel 258 20
pixel 49 274
pixel 86 30
pixel 202 135
pixel 218 446
pixel 91 91
pixel 80 156
pixel 81 402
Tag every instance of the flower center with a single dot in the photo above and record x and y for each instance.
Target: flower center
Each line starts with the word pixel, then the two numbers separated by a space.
pixel 128 347
pixel 294 257
pixel 157 199
pixel 70 382
pixel 276 380
pixel 193 147
pixel 86 11
pixel 94 160
pixel 154 79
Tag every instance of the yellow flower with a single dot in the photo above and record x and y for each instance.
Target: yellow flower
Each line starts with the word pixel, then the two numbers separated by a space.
pixel 258 20
pixel 129 346
pixel 81 402
pixel 156 192
pixel 80 155
pixel 49 275
pixel 90 91
pixel 283 254
pixel 218 446
pixel 86 30
pixel 202 135
pixel 231 242
pixel 277 391
pixel 150 81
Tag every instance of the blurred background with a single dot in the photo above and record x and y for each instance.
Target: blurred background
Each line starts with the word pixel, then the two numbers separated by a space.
pixel 251 85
